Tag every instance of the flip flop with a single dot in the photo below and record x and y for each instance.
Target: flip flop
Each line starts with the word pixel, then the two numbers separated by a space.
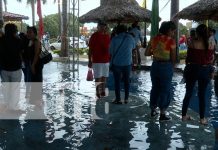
pixel 204 121
pixel 117 102
pixel 186 118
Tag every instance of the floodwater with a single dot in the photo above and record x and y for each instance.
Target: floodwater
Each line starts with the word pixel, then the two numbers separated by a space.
pixel 77 121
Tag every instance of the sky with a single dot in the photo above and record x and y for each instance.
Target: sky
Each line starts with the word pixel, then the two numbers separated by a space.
pixel 86 5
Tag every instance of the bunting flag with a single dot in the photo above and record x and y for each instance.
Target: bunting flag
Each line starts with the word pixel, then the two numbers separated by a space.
pixel 39 12
pixel 155 18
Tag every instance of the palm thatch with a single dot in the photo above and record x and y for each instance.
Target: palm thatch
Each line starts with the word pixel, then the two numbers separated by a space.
pixel 14 17
pixel 118 11
pixel 201 10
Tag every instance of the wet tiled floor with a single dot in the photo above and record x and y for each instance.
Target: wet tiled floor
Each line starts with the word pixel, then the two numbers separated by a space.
pixel 77 121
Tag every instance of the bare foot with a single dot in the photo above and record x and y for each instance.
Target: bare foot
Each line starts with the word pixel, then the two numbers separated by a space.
pixel 203 121
pixel 186 118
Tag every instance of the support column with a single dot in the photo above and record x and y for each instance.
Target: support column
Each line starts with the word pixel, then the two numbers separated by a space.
pixel 174 10
pixel 1 16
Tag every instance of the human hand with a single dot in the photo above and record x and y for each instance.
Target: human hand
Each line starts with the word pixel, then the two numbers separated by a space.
pixel 90 64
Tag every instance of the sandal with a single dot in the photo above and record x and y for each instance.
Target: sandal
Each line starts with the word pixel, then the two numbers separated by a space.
pixel 116 102
pixel 203 121
pixel 154 113
pixel 186 118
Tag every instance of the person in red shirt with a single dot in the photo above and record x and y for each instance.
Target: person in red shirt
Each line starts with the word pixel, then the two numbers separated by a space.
pixel 99 57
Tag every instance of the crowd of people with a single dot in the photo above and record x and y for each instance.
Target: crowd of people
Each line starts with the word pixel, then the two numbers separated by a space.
pixel 115 53
pixel 117 50
pixel 20 53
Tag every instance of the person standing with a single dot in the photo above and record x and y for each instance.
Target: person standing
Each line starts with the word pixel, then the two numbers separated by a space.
pixel 121 59
pixel 163 49
pixel 11 63
pixel 99 57
pixel 136 32
pixel 213 42
pixel 199 68
pixel 36 67
pixel 26 62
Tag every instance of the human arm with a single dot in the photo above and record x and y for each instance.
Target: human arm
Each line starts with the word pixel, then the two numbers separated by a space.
pixel 90 58
pixel 90 51
pixel 37 51
pixel 173 53
pixel 148 50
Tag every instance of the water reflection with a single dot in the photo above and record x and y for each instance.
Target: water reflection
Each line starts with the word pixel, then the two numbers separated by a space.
pixel 77 121
pixel 164 135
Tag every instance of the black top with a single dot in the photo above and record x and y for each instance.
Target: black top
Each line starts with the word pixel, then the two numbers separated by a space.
pixel 10 53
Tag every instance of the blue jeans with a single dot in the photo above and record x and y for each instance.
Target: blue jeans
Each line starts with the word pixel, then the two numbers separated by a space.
pixel 123 71
pixel 201 74
pixel 161 78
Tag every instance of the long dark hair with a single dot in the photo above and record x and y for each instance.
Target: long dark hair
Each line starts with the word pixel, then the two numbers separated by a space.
pixel 33 28
pixel 166 27
pixel 10 30
pixel 202 32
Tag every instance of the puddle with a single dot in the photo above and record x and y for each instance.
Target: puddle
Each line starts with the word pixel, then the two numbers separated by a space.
pixel 78 121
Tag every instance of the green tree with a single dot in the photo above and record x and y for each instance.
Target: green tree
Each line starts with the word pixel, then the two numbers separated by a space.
pixel 183 30
pixel 213 24
pixel 51 23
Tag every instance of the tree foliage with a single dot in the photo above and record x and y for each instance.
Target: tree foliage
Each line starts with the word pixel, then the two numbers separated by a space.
pixel 51 23
pixel 183 30
pixel 213 24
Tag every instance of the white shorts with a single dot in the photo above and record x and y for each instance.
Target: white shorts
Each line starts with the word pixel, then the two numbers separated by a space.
pixel 100 70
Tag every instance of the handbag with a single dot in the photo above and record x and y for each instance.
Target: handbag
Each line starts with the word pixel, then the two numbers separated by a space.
pixel 111 63
pixel 45 56
pixel 90 75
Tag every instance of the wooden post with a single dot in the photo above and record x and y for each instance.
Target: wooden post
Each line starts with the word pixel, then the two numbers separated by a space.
pixel 1 15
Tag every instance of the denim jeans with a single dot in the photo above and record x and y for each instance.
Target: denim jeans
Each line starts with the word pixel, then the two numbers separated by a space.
pixel 201 74
pixel 161 78
pixel 11 88
pixel 124 72
pixel 36 84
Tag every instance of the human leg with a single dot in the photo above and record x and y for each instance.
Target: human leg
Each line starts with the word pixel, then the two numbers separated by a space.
pixel 138 55
pixel 191 78
pixel 36 86
pixel 154 94
pixel 165 75
pixel 5 77
pixel 126 77
pixel 15 87
pixel 117 78
pixel 203 81
pixel 98 87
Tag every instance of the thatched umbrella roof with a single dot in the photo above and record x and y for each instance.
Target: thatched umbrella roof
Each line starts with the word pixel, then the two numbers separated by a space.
pixel 201 10
pixel 14 17
pixel 117 11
